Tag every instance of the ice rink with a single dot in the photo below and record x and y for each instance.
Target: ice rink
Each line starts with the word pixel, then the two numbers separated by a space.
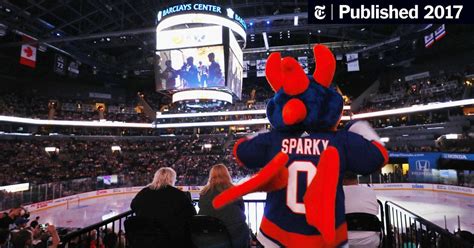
pixel 430 205
pixel 433 206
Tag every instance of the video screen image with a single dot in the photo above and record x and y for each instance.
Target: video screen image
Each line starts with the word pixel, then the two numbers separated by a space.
pixel 191 68
pixel 107 180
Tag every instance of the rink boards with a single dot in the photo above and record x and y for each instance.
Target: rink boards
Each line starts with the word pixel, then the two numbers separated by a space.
pixel 432 202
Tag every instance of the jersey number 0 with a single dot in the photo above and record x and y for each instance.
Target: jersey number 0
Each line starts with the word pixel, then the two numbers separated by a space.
pixel 294 169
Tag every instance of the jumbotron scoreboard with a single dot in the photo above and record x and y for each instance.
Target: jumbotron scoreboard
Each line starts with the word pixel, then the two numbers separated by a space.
pixel 199 53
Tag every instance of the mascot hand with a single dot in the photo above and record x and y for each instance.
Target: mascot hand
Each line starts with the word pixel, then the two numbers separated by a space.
pixel 364 129
pixel 272 177
pixel 278 181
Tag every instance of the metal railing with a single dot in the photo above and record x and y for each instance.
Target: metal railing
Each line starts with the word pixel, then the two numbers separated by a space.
pixel 406 229
pixel 98 232
pixel 402 228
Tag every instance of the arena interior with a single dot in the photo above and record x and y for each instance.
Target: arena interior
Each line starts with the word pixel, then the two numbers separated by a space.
pixel 96 96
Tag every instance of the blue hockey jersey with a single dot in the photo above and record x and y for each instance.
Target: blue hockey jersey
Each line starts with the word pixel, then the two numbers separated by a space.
pixel 284 223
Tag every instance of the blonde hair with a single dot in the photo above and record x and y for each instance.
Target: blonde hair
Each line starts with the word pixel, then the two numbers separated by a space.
pixel 219 179
pixel 165 176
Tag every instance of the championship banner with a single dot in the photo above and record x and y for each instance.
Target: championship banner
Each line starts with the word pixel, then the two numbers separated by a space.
pixel 352 62
pixel 304 63
pixel 246 68
pixel 28 54
pixel 429 40
pixel 440 32
pixel 261 67
pixel 60 64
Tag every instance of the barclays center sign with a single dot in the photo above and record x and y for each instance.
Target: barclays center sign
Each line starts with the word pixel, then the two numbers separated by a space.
pixel 201 8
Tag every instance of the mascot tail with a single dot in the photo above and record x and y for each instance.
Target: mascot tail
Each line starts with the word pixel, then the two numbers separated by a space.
pixel 320 197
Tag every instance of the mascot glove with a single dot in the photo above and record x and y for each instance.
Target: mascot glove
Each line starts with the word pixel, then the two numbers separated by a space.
pixel 364 129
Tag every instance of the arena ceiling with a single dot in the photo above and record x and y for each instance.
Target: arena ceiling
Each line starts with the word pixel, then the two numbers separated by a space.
pixel 119 35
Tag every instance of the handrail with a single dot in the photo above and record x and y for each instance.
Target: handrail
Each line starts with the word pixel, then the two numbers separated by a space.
pixel 70 236
pixel 85 232
pixel 392 236
pixel 382 216
pixel 419 218
pixel 400 222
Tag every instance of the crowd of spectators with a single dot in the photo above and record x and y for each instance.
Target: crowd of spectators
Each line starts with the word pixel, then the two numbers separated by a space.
pixel 27 160
pixel 414 148
pixel 24 105
pixel 414 119
pixel 445 87
pixel 442 88
pixel 34 106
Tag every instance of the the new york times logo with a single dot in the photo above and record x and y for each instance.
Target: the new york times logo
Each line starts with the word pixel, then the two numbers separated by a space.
pixel 319 12
pixel 389 11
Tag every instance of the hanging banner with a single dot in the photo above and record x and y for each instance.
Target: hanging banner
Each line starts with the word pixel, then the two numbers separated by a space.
pixel 60 64
pixel 440 32
pixel 246 68
pixel 28 53
pixel 352 62
pixel 304 63
pixel 261 67
pixel 429 40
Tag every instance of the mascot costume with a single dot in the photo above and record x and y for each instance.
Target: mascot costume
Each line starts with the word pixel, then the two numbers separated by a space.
pixel 304 157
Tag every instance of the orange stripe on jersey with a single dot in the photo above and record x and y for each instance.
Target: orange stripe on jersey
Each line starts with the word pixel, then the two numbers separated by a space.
pixel 234 151
pixel 296 240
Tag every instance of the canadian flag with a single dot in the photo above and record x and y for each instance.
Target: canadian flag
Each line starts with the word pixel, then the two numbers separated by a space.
pixel 28 54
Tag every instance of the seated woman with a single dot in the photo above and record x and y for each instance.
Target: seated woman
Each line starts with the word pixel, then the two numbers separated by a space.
pixel 233 215
pixel 171 207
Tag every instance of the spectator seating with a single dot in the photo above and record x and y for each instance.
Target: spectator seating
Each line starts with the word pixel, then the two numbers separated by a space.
pixel 143 232
pixel 209 232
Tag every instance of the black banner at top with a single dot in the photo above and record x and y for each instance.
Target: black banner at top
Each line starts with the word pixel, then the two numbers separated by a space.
pixel 390 11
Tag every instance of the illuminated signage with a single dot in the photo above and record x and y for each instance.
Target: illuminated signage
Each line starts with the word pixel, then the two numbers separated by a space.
pixel 191 37
pixel 175 21
pixel 201 7
pixel 15 187
pixel 202 94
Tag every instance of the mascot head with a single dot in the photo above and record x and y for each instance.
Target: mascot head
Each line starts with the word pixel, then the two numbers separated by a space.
pixel 303 103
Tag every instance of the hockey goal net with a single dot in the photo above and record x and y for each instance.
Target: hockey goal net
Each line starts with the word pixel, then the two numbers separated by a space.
pixel 73 203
